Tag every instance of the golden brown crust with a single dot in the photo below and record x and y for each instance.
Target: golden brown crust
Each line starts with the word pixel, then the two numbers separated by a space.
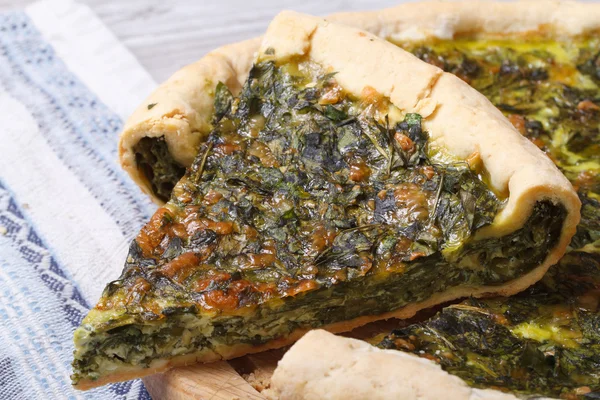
pixel 465 122
pixel 229 352
pixel 184 103
pixel 327 367
pixel 449 19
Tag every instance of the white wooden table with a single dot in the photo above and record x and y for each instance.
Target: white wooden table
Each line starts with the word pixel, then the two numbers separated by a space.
pixel 167 34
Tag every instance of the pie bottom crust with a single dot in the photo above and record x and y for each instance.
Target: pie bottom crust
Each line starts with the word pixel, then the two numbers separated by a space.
pixel 228 352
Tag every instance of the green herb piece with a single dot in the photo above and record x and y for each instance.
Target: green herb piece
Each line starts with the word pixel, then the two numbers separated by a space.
pixel 334 114
pixel 223 101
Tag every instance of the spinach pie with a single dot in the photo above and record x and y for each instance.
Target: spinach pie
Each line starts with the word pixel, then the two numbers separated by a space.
pixel 347 182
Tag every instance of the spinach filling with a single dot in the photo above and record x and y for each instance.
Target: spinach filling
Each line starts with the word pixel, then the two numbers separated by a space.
pixel 549 90
pixel 158 166
pixel 545 340
pixel 305 207
pixel 503 259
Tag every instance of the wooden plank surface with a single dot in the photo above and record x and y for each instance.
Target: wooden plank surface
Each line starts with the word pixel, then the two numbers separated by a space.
pixel 216 381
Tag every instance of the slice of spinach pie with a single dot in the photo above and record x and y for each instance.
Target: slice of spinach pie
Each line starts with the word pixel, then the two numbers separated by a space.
pixel 348 182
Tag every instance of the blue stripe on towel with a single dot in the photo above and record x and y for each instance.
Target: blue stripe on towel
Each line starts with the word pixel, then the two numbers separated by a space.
pixel 41 305
pixel 38 286
pixel 80 129
pixel 20 235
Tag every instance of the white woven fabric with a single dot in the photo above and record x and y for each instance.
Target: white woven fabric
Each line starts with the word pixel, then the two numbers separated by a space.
pixel 67 211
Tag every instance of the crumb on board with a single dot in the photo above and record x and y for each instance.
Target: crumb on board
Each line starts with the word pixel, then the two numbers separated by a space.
pixel 3 230
pixel 25 206
pixel 257 381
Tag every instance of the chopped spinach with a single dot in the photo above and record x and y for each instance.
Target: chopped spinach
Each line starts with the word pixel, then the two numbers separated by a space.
pixel 158 166
pixel 297 214
pixel 223 101
pixel 545 340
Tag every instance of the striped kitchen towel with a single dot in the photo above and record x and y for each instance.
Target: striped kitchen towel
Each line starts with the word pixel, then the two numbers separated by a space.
pixel 67 210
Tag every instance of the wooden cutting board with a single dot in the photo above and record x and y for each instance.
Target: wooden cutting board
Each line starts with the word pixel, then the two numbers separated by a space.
pixel 241 378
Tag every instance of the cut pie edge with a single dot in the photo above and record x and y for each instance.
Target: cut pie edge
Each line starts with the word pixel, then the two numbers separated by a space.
pixel 230 352
pixel 459 120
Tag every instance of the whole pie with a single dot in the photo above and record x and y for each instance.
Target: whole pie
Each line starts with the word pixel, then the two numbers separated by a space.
pixel 346 181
